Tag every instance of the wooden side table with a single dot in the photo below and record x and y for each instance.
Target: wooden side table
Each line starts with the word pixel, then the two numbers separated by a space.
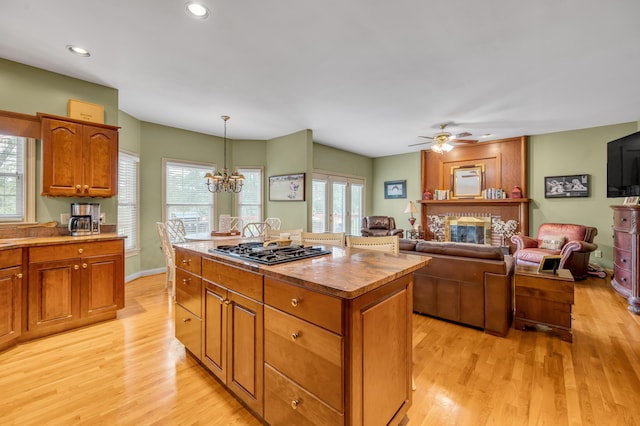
pixel 544 299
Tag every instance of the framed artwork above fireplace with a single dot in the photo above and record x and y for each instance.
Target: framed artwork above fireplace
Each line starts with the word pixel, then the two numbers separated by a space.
pixel 467 181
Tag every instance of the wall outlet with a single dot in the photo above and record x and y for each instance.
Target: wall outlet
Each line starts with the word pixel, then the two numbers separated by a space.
pixel 597 253
pixel 103 218
pixel 64 218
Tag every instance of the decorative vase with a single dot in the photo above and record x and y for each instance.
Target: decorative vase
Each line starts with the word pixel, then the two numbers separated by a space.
pixel 516 192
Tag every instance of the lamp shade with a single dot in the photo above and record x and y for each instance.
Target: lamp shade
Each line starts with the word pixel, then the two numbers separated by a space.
pixel 411 208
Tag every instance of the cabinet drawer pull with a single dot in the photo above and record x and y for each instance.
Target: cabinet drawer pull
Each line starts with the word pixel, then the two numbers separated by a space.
pixel 78 186
pixel 18 275
pixel 295 335
pixel 186 281
pixel 186 320
pixel 86 187
pixel 294 302
pixel 624 279
pixel 80 250
pixel 623 260
pixel 624 219
pixel 294 404
pixel 84 266
pixel 76 267
pixel 186 261
pixel 226 301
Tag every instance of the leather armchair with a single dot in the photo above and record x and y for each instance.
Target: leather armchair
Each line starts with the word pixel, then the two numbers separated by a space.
pixel 573 242
pixel 380 226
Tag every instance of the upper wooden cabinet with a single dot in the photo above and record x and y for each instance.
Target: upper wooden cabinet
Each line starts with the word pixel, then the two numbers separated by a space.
pixel 79 159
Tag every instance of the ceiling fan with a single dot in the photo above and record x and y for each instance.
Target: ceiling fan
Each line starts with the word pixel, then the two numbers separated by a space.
pixel 442 140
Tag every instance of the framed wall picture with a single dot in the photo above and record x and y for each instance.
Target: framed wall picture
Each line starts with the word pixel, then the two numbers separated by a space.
pixel 395 189
pixel 467 181
pixel 286 187
pixel 566 186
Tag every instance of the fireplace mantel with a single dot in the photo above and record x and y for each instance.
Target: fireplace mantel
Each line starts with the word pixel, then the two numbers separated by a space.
pixel 506 209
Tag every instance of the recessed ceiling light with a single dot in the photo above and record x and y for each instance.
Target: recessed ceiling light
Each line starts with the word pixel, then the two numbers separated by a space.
pixel 486 135
pixel 80 51
pixel 197 10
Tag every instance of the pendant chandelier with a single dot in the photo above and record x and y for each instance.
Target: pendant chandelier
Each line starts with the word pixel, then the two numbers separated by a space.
pixel 224 182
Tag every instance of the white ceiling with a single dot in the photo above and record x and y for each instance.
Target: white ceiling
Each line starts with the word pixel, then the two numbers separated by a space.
pixel 367 76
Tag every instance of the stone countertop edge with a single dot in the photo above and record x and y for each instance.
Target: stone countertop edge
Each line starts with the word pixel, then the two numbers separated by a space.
pixel 7 243
pixel 346 272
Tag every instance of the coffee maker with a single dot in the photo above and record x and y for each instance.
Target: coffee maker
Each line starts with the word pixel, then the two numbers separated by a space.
pixel 84 219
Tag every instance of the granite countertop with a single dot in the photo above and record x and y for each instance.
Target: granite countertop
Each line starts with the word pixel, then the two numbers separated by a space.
pixel 345 272
pixel 18 242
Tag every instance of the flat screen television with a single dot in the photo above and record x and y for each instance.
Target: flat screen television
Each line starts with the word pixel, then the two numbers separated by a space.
pixel 623 166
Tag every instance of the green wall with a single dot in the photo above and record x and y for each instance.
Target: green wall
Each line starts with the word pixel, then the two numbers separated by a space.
pixel 575 152
pixel 391 168
pixel 290 154
pixel 344 163
pixel 30 90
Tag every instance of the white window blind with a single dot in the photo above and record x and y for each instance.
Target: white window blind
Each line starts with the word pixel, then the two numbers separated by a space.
pixel 12 178
pixel 187 196
pixel 249 206
pixel 128 199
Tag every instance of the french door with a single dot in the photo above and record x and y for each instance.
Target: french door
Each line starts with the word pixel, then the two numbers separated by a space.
pixel 338 203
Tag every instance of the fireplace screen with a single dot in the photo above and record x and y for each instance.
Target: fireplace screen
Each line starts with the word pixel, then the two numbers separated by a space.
pixel 468 229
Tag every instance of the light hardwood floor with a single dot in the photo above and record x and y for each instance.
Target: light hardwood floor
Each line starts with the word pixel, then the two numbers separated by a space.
pixel 132 371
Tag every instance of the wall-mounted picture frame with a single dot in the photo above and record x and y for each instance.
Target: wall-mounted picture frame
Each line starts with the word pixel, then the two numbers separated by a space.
pixel 467 181
pixel 568 186
pixel 395 189
pixel 287 187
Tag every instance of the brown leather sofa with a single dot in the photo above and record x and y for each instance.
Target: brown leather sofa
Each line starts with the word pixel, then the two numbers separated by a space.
pixel 465 283
pixel 380 226
pixel 573 242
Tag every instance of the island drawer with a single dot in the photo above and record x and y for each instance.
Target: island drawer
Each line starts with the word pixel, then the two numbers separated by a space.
pixel 11 257
pixel 308 355
pixel 288 404
pixel 239 280
pixel 320 309
pixel 622 277
pixel 74 250
pixel 623 240
pixel 188 328
pixel 189 291
pixel 188 260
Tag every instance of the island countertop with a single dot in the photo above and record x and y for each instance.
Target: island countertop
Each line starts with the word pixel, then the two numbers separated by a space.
pixel 345 272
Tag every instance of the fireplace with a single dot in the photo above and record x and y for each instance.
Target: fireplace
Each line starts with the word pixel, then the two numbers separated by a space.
pixel 468 229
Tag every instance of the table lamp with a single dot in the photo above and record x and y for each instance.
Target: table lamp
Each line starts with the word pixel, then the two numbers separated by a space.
pixel 411 208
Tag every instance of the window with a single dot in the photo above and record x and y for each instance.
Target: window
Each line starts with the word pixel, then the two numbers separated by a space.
pixel 17 186
pixel 249 207
pixel 338 203
pixel 186 195
pixel 128 217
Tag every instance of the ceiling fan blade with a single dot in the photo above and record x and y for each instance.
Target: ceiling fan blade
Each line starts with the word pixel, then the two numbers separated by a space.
pixel 426 137
pixel 419 143
pixel 464 140
pixel 461 135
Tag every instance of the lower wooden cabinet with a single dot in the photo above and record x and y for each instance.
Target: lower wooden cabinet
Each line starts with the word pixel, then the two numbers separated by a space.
pixel 10 296
pixel 233 332
pixel 71 285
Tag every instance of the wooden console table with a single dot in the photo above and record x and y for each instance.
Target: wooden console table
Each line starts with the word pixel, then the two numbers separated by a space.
pixel 544 299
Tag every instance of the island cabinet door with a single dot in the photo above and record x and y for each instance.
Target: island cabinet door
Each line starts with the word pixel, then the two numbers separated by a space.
pixel 54 295
pixel 215 330
pixel 245 350
pixel 380 353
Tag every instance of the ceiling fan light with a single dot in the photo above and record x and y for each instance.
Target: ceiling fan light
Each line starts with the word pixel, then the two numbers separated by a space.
pixel 446 147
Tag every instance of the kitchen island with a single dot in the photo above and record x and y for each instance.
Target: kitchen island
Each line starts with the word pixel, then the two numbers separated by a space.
pixel 323 340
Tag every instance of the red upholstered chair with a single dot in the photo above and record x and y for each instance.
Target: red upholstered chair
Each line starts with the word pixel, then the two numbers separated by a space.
pixel 573 242
pixel 379 226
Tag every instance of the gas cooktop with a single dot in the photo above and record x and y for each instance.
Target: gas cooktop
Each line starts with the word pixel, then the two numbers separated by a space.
pixel 270 255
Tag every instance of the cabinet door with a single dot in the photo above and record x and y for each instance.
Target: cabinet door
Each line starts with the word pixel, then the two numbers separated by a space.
pixel 100 162
pixel 102 290
pixel 245 375
pixel 61 158
pixel 54 294
pixel 215 330
pixel 10 304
